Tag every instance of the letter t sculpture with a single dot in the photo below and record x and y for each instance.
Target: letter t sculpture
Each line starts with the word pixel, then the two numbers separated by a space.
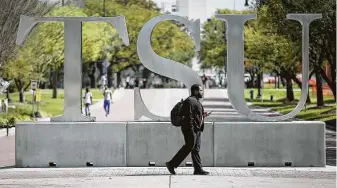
pixel 72 57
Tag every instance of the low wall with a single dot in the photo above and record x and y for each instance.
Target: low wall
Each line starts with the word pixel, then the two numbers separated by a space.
pixel 160 141
pixel 231 144
pixel 269 144
pixel 70 144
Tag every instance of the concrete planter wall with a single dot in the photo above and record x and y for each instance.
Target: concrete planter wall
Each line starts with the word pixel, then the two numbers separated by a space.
pixel 110 144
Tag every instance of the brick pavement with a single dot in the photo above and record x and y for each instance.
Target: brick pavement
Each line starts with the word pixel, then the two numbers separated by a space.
pixel 285 172
pixel 158 177
pixel 169 182
pixel 7 151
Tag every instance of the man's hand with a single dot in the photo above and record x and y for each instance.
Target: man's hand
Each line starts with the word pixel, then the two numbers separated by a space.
pixel 206 114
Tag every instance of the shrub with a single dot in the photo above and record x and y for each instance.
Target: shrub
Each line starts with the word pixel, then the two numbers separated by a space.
pixel 7 122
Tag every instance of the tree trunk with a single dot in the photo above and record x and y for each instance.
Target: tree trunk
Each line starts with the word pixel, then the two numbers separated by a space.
pixel 282 81
pixel 275 81
pixel 330 54
pixel 299 83
pixel 119 79
pixel 21 95
pixel 319 91
pixel 109 75
pixel 333 76
pixel 92 75
pixel 259 75
pixel 290 91
pixel 20 86
pixel 55 78
pixel 8 97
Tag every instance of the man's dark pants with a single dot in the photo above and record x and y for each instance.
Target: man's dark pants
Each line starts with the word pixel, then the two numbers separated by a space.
pixel 192 144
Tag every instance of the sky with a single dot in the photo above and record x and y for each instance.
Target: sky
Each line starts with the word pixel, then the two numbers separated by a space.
pixel 212 5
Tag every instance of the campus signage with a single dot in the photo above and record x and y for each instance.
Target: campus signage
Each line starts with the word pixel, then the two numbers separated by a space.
pixel 163 66
pixel 33 84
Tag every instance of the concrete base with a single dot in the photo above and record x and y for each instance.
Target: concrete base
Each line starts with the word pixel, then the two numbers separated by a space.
pixel 232 144
pixel 269 144
pixel 70 144
pixel 159 142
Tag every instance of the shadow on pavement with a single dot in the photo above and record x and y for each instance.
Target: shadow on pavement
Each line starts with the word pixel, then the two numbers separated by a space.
pixel 167 174
pixel 331 156
pixel 7 167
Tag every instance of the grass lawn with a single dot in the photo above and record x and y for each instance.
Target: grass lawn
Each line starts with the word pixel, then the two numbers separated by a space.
pixel 311 113
pixel 48 106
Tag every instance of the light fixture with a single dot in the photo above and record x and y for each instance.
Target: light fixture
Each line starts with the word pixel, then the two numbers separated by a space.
pixel 246 3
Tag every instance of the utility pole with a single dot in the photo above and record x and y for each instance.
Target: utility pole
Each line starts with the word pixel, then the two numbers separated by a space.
pixel 234 4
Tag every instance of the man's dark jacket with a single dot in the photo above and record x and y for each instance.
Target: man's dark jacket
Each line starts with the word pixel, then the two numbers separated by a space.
pixel 193 111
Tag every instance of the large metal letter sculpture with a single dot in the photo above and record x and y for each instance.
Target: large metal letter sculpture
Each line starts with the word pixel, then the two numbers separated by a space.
pixel 235 51
pixel 163 66
pixel 72 56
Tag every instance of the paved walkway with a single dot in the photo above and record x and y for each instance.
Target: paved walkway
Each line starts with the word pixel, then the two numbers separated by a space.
pixel 161 101
pixel 159 178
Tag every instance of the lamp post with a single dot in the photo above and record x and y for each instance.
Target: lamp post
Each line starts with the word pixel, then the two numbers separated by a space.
pixel 246 3
pixel 258 3
pixel 104 9
pixel 105 61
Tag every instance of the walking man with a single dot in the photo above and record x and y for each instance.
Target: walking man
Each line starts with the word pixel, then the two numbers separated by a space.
pixel 204 81
pixel 191 127
pixel 103 81
pixel 87 101
pixel 107 100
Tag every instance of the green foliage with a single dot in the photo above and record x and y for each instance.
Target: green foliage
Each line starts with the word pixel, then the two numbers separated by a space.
pixel 167 38
pixel 213 51
pixel 269 51
pixel 44 48
pixel 310 113
pixel 20 113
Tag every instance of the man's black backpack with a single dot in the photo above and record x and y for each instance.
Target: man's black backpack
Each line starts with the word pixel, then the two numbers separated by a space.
pixel 176 115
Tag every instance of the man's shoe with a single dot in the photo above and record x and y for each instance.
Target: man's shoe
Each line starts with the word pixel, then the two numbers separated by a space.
pixel 170 168
pixel 202 172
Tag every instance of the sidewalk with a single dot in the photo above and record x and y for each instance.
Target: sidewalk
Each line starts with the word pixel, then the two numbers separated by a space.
pixel 161 101
pixel 160 178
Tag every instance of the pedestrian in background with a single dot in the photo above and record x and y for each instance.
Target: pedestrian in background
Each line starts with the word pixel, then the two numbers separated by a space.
pixel 107 100
pixel 87 101
pixel 127 80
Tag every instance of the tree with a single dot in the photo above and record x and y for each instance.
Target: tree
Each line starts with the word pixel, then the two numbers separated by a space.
pixel 213 51
pixel 44 49
pixel 10 13
pixel 322 34
pixel 272 53
pixel 167 39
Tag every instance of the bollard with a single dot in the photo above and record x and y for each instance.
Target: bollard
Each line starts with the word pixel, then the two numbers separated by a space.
pixel 271 98
pixel 251 94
